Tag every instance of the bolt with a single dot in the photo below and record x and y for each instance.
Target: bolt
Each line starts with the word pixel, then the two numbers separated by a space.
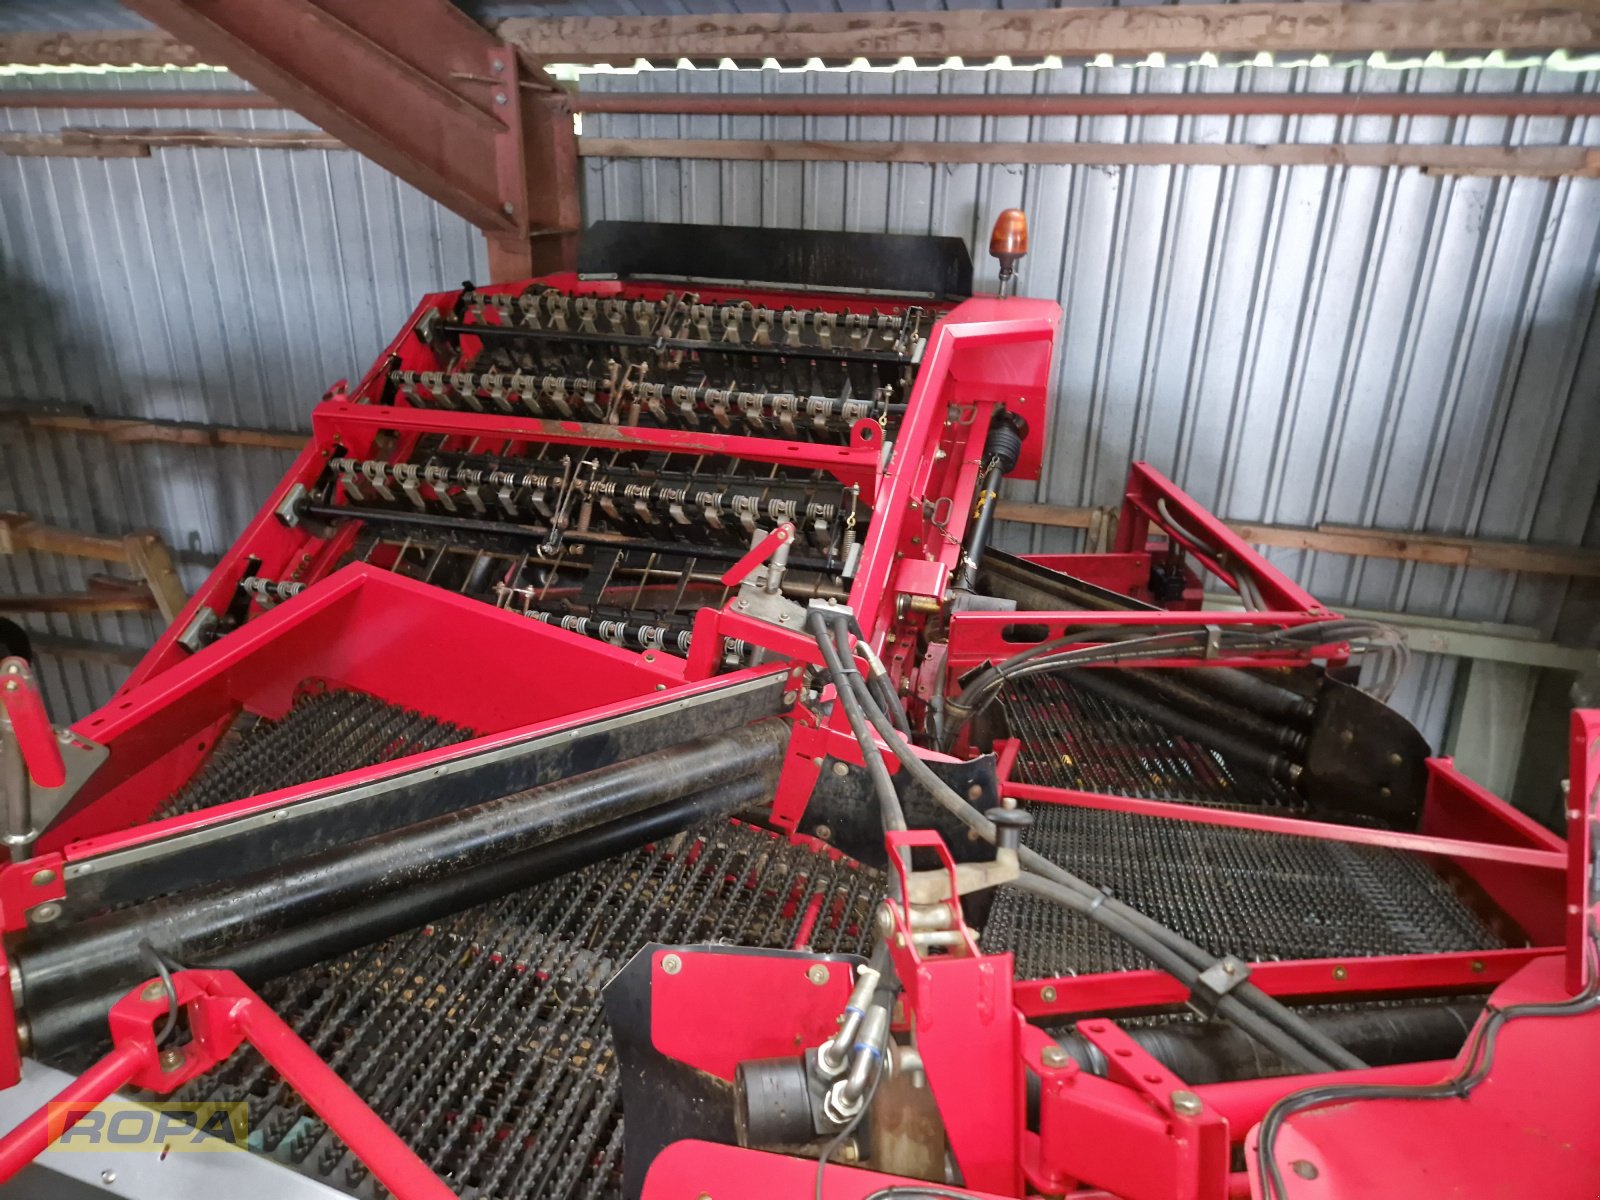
pixel 672 964
pixel 885 919
pixel 850 1152
pixel 498 65
pixel 818 974
pixel 1477 966
pixel 44 877
pixel 817 761
pixel 171 1060
pixel 789 698
pixel 975 792
pixel 108 1177
pixel 824 832
pixel 841 769
pixel 1186 1104
pixel 1304 1169
pixel 1054 1056
pixel 153 990
pixel 1347 736
pixel 1396 759
pixel 500 98
pixel 46 913
pixel 1048 995
pixel 1340 972
pixel 12 685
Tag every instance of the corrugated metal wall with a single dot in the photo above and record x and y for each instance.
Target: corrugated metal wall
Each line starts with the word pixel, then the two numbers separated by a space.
pixel 1292 344
pixel 223 286
pixel 1296 345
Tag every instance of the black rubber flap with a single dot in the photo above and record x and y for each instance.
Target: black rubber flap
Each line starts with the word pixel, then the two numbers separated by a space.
pixel 813 258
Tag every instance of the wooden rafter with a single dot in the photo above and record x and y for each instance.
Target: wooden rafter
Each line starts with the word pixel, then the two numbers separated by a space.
pixel 156 585
pixel 1251 28
pixel 1530 161
pixel 1440 549
pixel 1069 32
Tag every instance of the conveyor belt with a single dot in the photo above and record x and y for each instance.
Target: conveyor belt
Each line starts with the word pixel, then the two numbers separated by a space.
pixel 1072 738
pixel 480 1038
pixel 323 734
pixel 1258 895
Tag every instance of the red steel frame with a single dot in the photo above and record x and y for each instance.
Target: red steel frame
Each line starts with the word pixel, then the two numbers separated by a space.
pixel 401 640
pixel 1141 1132
pixel 363 627
pixel 1142 530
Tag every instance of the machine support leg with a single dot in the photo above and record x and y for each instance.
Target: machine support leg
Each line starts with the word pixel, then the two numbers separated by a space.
pixel 71 1104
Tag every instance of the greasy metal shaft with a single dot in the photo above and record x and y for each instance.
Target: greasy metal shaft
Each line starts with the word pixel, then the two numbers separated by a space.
pixel 102 956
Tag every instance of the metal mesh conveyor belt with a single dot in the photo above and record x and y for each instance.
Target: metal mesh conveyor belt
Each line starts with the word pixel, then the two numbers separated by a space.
pixel 1072 738
pixel 323 734
pixel 1261 896
pixel 480 1038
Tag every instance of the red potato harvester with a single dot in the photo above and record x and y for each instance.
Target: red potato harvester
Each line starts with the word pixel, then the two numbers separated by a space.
pixel 615 762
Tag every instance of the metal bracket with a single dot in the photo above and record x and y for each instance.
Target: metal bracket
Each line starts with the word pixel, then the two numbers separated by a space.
pixel 1215 982
pixel 288 508
pixel 197 634
pixel 759 575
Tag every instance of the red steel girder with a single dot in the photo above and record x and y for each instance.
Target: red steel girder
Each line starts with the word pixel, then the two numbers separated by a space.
pixel 424 91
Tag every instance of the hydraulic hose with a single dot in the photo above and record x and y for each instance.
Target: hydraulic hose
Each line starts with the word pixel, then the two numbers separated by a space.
pixel 1289 1035
pixel 846 680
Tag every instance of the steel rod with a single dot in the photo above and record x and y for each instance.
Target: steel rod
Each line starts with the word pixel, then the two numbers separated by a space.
pixel 507 529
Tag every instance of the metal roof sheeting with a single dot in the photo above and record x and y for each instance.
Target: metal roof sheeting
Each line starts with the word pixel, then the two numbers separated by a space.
pixel 1299 345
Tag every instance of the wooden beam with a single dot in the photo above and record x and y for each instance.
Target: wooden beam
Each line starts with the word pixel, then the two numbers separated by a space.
pixel 1197 29
pixel 97 47
pixel 149 556
pixel 54 145
pixel 177 433
pixel 85 650
pixel 1473 160
pixel 1059 516
pixel 152 562
pixel 161 138
pixel 1535 161
pixel 1440 549
pixel 1429 548
pixel 94 601
pixel 20 533
pixel 1069 32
